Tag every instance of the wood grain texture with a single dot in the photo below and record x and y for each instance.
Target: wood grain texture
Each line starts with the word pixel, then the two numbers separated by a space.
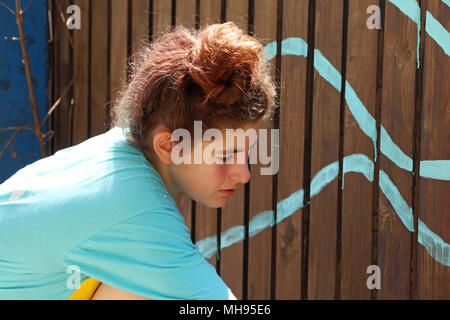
pixel 185 13
pixel 162 15
pixel 119 43
pixel 325 150
pixel 63 74
pixel 397 117
pixel 140 11
pixel 356 223
pixel 260 245
pixel 81 69
pixel 99 67
pixel 434 200
pixel 290 175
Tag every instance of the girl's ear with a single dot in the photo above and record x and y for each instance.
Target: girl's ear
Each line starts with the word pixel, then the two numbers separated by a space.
pixel 162 145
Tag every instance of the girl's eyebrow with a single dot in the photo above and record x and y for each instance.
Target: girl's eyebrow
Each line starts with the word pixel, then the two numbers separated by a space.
pixel 235 150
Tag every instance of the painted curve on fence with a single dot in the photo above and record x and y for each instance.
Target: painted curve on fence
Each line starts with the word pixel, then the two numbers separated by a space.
pixel 360 163
pixel 434 169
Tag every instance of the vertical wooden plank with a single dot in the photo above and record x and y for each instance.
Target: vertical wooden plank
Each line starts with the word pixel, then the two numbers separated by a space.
pixel 99 75
pixel 140 10
pixel 81 70
pixel 185 11
pixel 397 118
pixel 63 77
pixel 119 42
pixel 162 13
pixel 434 201
pixel 231 258
pixel 356 232
pixel 260 245
pixel 205 218
pixel 325 151
pixel 210 12
pixel 237 11
pixel 290 175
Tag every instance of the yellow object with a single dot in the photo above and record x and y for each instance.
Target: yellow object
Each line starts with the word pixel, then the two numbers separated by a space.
pixel 86 290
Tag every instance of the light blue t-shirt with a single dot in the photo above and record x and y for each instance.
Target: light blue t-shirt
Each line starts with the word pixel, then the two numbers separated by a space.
pixel 101 208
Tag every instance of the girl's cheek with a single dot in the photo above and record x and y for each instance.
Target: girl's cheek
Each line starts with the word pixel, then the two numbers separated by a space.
pixel 221 171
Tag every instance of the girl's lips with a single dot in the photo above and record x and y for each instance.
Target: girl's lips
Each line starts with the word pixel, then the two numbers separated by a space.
pixel 227 192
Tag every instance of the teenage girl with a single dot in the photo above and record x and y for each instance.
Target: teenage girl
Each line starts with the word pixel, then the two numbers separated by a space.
pixel 101 213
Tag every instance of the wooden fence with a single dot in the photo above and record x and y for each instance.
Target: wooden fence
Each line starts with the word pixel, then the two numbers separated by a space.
pixel 364 139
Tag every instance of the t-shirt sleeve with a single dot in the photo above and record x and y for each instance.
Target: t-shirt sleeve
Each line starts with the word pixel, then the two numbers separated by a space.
pixel 150 254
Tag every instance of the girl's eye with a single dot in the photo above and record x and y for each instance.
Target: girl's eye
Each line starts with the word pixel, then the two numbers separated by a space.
pixel 224 159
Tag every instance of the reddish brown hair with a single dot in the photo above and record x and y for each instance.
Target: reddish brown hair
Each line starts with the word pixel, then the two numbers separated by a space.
pixel 217 74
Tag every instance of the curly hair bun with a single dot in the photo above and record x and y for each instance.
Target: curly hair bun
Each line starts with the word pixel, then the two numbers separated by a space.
pixel 218 74
pixel 222 62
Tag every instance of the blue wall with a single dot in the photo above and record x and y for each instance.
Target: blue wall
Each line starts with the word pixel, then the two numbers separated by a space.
pixel 15 107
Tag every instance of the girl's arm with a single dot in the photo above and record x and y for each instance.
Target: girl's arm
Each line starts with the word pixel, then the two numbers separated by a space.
pixel 106 292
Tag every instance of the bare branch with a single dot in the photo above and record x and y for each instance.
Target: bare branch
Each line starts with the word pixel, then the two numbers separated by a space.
pixel 10 141
pixel 26 126
pixel 23 11
pixel 10 10
pixel 63 18
pixel 66 89
pixel 58 101
pixel 26 60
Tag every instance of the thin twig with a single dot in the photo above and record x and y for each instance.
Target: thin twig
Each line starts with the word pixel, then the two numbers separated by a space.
pixel 10 141
pixel 10 10
pixel 26 61
pixel 61 14
pixel 74 77
pixel 23 11
pixel 58 101
pixel 26 126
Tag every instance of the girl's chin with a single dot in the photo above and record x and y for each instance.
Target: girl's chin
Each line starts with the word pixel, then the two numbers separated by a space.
pixel 216 202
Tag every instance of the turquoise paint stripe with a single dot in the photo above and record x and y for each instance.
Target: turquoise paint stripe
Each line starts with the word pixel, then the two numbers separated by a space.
pixel 324 177
pixel 270 50
pixel 435 169
pixel 410 8
pixel 393 151
pixel 363 117
pixel 404 212
pixel 289 205
pixel 435 245
pixel 447 2
pixel 294 46
pixel 290 46
pixel 359 163
pixel 327 70
pixel 438 33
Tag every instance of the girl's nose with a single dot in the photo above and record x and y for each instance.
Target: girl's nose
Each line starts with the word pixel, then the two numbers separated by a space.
pixel 241 173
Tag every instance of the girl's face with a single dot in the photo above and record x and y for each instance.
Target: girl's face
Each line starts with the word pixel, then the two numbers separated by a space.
pixel 212 184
